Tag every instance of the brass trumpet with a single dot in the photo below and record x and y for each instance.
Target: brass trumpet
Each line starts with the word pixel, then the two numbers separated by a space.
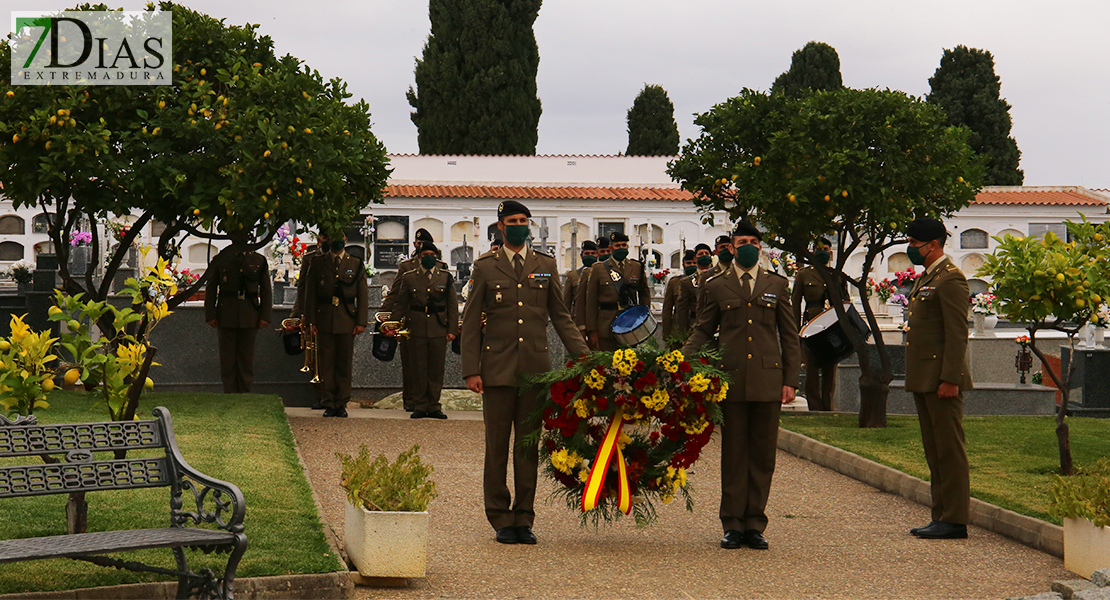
pixel 397 326
pixel 308 344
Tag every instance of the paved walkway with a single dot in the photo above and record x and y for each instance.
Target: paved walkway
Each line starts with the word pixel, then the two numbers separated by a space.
pixel 831 536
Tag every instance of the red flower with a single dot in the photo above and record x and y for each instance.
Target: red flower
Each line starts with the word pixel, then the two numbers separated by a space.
pixel 602 403
pixel 572 385
pixel 550 444
pixel 654 437
pixel 677 376
pixel 704 361
pixel 684 367
pixel 639 365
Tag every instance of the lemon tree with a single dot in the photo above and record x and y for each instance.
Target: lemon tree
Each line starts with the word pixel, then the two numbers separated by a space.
pixel 1049 283
pixel 852 165
pixel 241 142
pixel 25 375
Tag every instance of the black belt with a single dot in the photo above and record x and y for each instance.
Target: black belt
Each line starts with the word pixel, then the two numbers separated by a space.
pixel 608 305
pixel 427 309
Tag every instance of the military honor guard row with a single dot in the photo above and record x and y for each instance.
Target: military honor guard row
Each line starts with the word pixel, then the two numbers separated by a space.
pixel 723 300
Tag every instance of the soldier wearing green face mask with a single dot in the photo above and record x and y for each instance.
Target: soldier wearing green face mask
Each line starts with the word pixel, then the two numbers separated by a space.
pixel 678 296
pixel 427 302
pixel 616 284
pixel 574 278
pixel 810 287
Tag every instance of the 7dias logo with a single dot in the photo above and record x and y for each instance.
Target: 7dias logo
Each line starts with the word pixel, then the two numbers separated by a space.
pixel 108 47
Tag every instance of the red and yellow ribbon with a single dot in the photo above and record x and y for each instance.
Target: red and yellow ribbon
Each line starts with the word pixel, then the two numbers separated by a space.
pixel 595 483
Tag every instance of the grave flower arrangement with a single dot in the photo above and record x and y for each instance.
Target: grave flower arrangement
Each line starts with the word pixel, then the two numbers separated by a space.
pixel 80 239
pixel 660 276
pixel 619 430
pixel 906 278
pixel 783 262
pixel 984 304
pixel 884 289
pixel 1100 317
pixel 22 271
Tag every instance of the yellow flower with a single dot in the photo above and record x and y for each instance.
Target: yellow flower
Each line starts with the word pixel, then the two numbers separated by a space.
pixel 594 380
pixel 699 383
pixel 666 498
pixel 565 461
pixel 582 408
pixel 723 394
pixel 623 440
pixel 583 475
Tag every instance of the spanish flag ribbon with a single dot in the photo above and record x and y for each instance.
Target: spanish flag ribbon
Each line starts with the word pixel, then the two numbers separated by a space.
pixel 595 483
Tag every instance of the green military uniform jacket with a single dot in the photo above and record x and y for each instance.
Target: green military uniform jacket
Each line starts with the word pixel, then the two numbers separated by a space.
pixel 702 277
pixel 578 310
pixel 427 301
pixel 570 287
pixel 238 294
pixel 395 288
pixel 336 294
pixel 517 310
pixel 302 277
pixel 760 348
pixel 810 287
pixel 679 304
pixel 936 331
pixel 601 294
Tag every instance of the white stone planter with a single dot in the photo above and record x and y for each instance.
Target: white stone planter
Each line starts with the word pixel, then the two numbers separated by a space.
pixel 387 544
pixel 1086 547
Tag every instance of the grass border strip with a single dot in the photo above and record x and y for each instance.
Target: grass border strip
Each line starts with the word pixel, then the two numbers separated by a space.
pixel 1030 531
pixel 311 585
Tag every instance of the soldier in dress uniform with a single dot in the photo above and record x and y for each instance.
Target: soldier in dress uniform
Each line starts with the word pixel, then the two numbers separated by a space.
pixel 410 377
pixel 616 284
pixel 336 298
pixel 237 302
pixel 937 374
pixel 750 307
pixel 677 301
pixel 516 293
pixel 722 250
pixel 573 278
pixel 297 312
pixel 810 287
pixel 604 251
pixel 426 300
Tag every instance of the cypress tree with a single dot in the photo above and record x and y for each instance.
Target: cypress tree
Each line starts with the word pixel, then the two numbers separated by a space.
pixel 816 66
pixel 476 81
pixel 652 130
pixel 967 88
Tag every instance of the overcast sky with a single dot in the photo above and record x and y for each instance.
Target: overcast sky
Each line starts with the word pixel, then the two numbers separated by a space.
pixel 595 56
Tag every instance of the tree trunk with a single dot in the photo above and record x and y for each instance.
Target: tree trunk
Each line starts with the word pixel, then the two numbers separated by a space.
pixel 1064 440
pixel 77 513
pixel 1063 381
pixel 873 396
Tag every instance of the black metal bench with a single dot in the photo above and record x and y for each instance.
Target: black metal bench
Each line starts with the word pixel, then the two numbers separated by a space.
pixel 82 471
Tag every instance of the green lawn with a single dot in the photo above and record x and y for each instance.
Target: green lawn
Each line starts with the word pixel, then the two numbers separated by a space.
pixel 1012 458
pixel 243 439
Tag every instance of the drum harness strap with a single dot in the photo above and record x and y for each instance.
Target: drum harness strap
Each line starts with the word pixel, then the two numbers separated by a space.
pixel 629 296
pixel 438 307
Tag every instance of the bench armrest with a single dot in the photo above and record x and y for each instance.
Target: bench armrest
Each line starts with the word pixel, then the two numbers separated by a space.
pixel 227 504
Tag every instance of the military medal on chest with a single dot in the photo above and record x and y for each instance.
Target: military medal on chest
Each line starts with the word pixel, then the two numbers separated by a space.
pixel 615 275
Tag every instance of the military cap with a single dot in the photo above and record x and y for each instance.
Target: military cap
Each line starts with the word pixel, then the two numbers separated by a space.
pixel 589 245
pixel 426 246
pixel 926 230
pixel 703 247
pixel 617 236
pixel 422 235
pixel 689 255
pixel 512 207
pixel 722 239
pixel 747 228
pixel 602 243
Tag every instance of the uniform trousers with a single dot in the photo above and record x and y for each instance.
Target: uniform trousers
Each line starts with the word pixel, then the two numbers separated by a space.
pixel 820 383
pixel 427 359
pixel 236 358
pixel 409 374
pixel 942 436
pixel 334 356
pixel 749 441
pixel 506 409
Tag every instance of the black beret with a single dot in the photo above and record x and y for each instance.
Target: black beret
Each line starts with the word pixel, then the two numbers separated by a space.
pixel 689 255
pixel 512 207
pixel 589 245
pixel 603 243
pixel 703 247
pixel 617 236
pixel 422 235
pixel 746 228
pixel 426 246
pixel 496 242
pixel 722 239
pixel 926 230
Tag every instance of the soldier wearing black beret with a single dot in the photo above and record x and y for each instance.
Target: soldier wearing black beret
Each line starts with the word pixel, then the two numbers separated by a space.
pixel 937 374
pixel 679 299
pixel 575 278
pixel 603 249
pixel 615 284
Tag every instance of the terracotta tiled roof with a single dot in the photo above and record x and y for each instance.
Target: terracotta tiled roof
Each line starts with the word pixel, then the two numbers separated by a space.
pixel 1041 196
pixel 535 192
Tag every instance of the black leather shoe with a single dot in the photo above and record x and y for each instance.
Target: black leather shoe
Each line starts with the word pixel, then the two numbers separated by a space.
pixel 755 540
pixel 340 412
pixel 734 538
pixel 418 414
pixel 329 411
pixel 917 529
pixel 318 406
pixel 524 535
pixel 943 531
pixel 507 535
pixel 436 414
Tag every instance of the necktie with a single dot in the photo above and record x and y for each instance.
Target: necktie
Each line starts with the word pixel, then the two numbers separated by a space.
pixel 746 279
pixel 518 265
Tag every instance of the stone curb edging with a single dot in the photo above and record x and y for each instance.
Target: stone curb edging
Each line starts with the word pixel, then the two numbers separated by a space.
pixel 322 586
pixel 1030 531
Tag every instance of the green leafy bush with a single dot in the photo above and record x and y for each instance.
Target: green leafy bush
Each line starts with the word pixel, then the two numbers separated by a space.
pixel 383 486
pixel 1084 495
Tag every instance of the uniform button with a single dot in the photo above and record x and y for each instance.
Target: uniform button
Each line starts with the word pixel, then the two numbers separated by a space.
pixel 934 356
pixel 521 321
pixel 728 306
pixel 749 321
pixel 522 339
pixel 520 304
pixel 519 285
pixel 499 286
pixel 749 305
pixel 749 356
pixel 911 313
pixel 487 347
pixel 749 339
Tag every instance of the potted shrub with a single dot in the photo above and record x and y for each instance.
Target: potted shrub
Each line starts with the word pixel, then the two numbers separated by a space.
pixel 386 524
pixel 1083 502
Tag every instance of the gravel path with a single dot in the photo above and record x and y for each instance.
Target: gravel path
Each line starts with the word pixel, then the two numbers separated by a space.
pixel 831 536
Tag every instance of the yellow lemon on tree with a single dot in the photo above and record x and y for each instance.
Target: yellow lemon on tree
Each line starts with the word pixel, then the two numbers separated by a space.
pixel 1096 298
pixel 1059 277
pixel 72 376
pixel 1080 303
pixel 756 161
pixel 148 385
pixel 827 198
pixel 11 94
pixel 5 345
pixel 844 193
pixel 73 325
pixel 47 385
pixel 196 211
pixel 53 310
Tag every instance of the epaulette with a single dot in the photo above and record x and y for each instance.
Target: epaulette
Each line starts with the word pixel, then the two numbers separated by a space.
pixel 486 256
pixel 542 253
pixel 712 277
pixel 776 274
